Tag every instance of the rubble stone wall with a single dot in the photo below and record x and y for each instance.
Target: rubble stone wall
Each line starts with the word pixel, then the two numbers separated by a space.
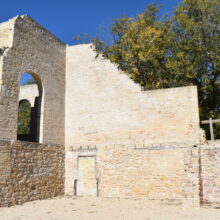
pixel 30 171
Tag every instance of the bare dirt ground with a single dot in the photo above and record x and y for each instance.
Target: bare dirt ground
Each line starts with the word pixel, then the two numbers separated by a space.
pixel 102 208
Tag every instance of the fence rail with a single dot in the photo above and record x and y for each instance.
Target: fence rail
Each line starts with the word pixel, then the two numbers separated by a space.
pixel 211 122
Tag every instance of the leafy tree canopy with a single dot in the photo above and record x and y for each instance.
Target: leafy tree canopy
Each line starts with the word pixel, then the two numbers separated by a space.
pixel 24 117
pixel 180 50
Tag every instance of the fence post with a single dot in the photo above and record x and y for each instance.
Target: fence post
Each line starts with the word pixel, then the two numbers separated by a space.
pixel 211 129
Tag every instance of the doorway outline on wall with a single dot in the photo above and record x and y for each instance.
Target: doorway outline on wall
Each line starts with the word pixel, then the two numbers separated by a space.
pixel 87 154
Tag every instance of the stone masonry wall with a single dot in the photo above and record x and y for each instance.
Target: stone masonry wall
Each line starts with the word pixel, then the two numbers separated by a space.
pixel 106 109
pixel 210 173
pixel 163 172
pixel 119 141
pixel 30 171
pixel 38 52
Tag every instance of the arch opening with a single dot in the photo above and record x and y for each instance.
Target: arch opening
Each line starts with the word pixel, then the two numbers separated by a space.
pixel 29 108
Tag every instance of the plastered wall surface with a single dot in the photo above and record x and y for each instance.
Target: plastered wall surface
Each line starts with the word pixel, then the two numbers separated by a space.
pixel 104 106
pixel 38 52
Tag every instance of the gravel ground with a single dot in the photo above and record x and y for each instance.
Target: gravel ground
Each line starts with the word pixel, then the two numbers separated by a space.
pixel 66 208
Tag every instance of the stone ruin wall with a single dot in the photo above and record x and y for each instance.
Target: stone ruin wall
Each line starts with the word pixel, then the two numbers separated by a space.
pixel 33 49
pixel 119 141
pixel 164 172
pixel 142 142
pixel 210 174
pixel 6 39
pixel 30 171
pixel 176 173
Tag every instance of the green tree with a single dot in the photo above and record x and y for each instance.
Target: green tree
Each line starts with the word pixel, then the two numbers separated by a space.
pixel 24 117
pixel 169 52
pixel 139 47
pixel 196 52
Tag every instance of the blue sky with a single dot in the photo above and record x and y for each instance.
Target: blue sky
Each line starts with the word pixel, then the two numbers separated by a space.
pixel 69 18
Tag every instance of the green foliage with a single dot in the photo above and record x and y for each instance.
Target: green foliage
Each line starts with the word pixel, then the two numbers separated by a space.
pixel 177 51
pixel 24 117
